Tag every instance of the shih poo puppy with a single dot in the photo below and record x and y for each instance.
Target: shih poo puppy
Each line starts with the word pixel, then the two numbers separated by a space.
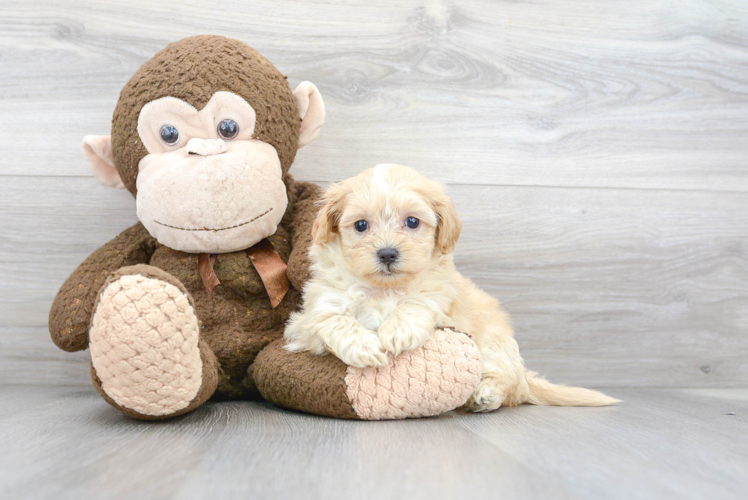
pixel 383 278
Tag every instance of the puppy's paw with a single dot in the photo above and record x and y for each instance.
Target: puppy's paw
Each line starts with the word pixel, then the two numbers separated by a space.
pixel 488 396
pixel 397 336
pixel 361 350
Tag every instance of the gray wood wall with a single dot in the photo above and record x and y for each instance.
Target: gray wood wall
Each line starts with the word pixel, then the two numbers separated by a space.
pixel 597 152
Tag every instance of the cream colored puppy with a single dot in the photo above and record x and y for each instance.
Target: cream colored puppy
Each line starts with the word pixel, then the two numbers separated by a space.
pixel 383 279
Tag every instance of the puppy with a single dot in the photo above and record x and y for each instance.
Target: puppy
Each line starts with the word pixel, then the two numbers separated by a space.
pixel 383 279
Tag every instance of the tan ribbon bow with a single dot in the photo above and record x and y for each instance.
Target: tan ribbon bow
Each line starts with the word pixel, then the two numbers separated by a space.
pixel 272 270
pixel 267 262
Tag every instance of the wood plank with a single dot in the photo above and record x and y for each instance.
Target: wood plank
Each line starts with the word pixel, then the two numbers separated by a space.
pixel 616 287
pixel 635 94
pixel 606 287
pixel 657 444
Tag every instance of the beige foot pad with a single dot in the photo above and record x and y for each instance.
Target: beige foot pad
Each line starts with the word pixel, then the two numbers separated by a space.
pixel 438 377
pixel 144 346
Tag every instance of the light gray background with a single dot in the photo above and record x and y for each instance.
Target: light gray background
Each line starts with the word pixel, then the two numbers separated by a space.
pixel 597 153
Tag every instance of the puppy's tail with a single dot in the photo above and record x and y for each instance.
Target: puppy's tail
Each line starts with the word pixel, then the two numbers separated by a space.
pixel 543 392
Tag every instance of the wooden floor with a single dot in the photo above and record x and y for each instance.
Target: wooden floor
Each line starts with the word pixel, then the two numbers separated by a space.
pixel 66 442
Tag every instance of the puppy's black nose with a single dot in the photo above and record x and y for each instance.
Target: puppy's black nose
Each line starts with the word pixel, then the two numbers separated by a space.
pixel 387 255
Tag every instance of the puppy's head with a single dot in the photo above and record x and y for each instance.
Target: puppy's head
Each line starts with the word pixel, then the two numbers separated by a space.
pixel 389 222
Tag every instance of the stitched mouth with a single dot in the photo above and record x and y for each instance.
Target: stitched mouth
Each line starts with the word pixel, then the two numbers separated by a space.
pixel 215 230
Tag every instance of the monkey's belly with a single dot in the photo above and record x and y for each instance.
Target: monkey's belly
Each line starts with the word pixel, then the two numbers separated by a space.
pixel 238 321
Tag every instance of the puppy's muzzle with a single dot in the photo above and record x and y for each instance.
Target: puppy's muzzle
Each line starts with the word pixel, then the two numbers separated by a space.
pixel 387 256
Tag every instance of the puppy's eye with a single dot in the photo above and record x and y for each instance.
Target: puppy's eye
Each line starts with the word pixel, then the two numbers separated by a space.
pixel 228 129
pixel 169 134
pixel 412 222
pixel 361 226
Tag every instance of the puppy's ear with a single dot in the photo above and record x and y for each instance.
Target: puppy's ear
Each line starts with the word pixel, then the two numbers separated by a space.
pixel 448 226
pixel 328 217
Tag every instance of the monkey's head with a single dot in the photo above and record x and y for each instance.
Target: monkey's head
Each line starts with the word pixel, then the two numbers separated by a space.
pixel 202 136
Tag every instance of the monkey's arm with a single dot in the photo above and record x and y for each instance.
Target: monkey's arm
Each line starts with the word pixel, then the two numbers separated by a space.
pixel 73 306
pixel 305 211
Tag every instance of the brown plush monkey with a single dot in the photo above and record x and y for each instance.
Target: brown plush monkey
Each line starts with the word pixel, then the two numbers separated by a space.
pixel 176 308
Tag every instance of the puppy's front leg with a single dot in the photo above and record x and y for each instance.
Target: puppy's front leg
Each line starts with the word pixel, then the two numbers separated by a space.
pixel 408 327
pixel 347 339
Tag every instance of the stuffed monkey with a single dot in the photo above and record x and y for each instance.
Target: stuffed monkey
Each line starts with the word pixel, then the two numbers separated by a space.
pixel 176 308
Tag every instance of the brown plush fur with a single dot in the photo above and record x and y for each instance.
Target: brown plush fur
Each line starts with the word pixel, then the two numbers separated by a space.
pixel 239 321
pixel 73 306
pixel 303 381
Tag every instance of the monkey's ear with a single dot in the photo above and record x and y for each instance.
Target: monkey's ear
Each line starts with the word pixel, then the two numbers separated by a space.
pixel 311 110
pixel 98 152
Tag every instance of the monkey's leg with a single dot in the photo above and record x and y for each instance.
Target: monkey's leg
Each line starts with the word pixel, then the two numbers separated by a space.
pixel 147 357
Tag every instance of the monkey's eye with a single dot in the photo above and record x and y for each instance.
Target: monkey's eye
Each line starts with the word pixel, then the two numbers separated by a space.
pixel 169 134
pixel 412 222
pixel 361 226
pixel 228 129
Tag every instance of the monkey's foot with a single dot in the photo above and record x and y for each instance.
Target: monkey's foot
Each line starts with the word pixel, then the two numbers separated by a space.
pixel 147 359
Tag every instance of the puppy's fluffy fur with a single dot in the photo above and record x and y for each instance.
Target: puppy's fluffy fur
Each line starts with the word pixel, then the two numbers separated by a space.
pixel 363 307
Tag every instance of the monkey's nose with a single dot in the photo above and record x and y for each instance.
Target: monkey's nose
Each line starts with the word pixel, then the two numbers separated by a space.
pixel 206 147
pixel 387 255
